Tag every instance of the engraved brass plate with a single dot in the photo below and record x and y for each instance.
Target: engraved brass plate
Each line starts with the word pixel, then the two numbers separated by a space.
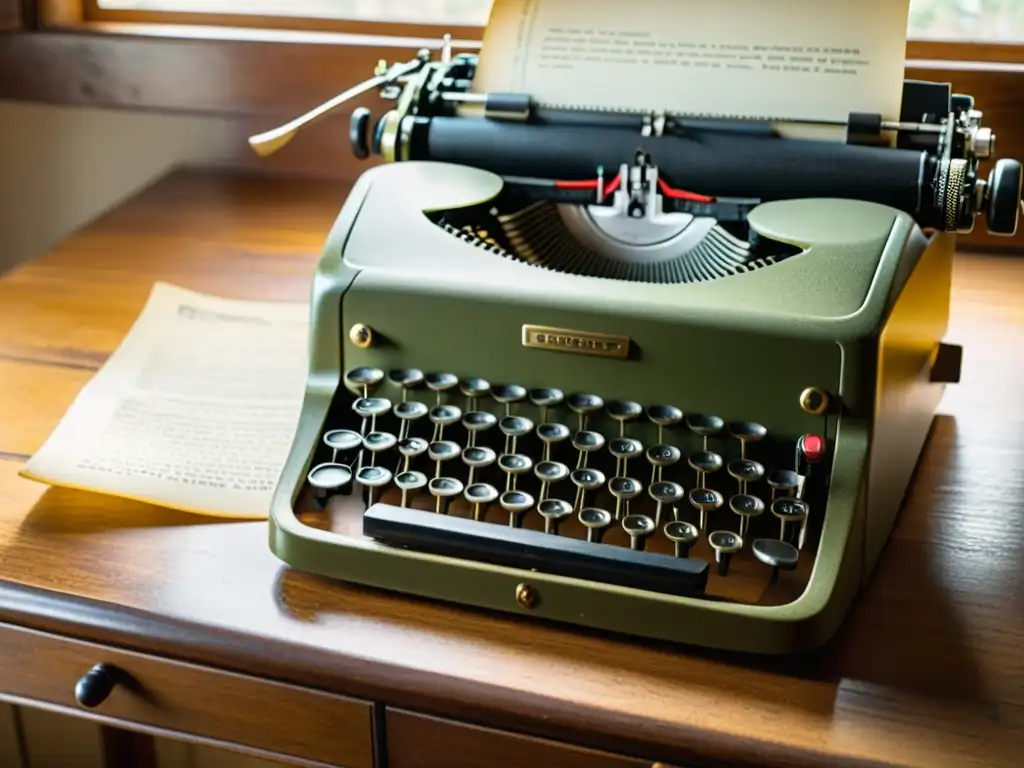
pixel 578 342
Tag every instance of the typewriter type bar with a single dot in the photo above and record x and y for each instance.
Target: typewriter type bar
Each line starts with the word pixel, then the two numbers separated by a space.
pixel 534 550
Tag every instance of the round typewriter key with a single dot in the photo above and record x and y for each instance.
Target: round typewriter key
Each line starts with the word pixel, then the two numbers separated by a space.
pixel 477 421
pixel 780 555
pixel 624 449
pixel 479 494
pixel 476 457
pixel 515 503
pixel 584 404
pixel 747 432
pixel 746 506
pixel 746 470
pixel 705 426
pixel 587 441
pixel 638 528
pixel 410 410
pixel 376 442
pixel 725 543
pixel 585 480
pixel 342 440
pixel 411 447
pixel 479 456
pixel 783 480
pixel 442 416
pixel 683 535
pixel 789 511
pixel 443 488
pixel 439 383
pixel 409 481
pixel 515 463
pixel 664 416
pixel 705 461
pixel 706 500
pixel 664 492
pixel 551 434
pixel 624 489
pixel 475 388
pixel 551 471
pixel 443 450
pixel 623 411
pixel 595 520
pixel 327 479
pixel 661 456
pixel 370 407
pixel 361 380
pixel 406 378
pixel 554 511
pixel 506 394
pixel 514 427
pixel 544 398
pixel 373 478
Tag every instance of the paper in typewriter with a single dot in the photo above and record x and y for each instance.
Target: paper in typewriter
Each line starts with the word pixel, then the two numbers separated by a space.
pixel 195 410
pixel 761 59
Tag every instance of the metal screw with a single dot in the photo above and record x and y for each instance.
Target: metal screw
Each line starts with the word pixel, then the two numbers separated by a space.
pixel 361 335
pixel 526 596
pixel 814 401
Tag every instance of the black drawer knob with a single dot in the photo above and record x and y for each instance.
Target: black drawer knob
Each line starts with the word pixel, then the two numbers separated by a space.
pixel 95 686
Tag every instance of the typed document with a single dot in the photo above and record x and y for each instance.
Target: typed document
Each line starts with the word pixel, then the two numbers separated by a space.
pixel 195 410
pixel 782 60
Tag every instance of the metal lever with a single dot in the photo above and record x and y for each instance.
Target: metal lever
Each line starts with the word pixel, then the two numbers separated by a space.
pixel 269 142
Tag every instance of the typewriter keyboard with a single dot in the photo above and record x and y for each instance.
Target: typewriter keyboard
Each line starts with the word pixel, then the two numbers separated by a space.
pixel 630 493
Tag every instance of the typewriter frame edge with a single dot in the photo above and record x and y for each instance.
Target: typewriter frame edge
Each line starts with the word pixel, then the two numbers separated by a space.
pixel 804 624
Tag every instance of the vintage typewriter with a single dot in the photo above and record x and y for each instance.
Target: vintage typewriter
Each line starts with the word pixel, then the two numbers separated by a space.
pixel 645 373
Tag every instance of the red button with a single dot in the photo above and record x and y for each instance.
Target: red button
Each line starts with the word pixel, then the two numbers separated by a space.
pixel 813 447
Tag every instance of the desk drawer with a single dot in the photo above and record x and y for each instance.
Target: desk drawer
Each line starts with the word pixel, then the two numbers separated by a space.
pixel 189 701
pixel 420 741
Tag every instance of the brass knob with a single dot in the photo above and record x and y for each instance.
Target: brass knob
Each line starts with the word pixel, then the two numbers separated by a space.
pixel 361 335
pixel 814 401
pixel 526 596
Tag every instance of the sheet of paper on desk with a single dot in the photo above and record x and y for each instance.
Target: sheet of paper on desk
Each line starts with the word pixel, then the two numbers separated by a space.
pixel 762 59
pixel 195 410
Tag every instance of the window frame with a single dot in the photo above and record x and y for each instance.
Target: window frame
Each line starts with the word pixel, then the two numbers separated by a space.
pixel 258 77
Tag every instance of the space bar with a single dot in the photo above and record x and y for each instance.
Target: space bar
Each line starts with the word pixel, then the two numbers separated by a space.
pixel 467 539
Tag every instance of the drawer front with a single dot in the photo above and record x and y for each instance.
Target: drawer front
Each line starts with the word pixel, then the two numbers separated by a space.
pixel 188 700
pixel 420 741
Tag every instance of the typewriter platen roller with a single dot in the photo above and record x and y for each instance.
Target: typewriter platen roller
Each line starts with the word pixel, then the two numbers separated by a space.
pixel 655 400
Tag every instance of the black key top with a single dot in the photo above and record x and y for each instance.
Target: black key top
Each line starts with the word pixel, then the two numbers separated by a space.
pixel 533 550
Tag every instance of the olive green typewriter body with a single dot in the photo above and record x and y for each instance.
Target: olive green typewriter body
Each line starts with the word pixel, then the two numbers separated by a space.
pixel 713 458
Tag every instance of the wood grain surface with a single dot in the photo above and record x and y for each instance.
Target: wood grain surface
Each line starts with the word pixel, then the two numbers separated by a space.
pixel 927 671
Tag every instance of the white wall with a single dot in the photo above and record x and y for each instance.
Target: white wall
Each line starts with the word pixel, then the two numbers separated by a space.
pixel 62 166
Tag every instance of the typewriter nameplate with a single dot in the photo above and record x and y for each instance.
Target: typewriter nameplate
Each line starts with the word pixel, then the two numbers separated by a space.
pixel 578 342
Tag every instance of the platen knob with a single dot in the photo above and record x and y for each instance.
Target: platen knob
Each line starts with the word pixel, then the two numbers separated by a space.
pixel 1004 197
pixel 359 132
pixel 95 686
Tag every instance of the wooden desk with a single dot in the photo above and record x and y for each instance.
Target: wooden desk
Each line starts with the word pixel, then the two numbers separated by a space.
pixel 228 645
